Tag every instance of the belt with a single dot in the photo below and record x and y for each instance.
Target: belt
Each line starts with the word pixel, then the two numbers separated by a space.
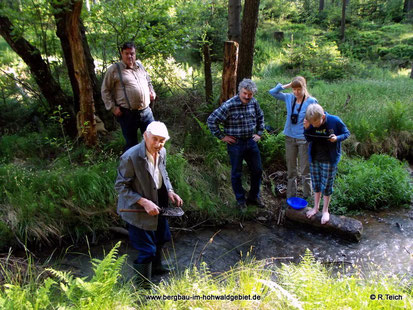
pixel 244 139
pixel 133 110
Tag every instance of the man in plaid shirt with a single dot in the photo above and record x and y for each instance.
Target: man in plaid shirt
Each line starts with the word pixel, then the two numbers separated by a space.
pixel 243 122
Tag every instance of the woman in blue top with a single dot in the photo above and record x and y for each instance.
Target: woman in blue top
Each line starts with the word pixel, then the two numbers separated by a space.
pixel 296 146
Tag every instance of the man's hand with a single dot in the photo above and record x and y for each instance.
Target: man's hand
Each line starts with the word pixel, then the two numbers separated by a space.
pixel 229 139
pixel 175 198
pixel 149 206
pixel 117 111
pixel 256 137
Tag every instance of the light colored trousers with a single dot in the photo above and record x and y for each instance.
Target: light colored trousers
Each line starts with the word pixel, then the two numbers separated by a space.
pixel 296 150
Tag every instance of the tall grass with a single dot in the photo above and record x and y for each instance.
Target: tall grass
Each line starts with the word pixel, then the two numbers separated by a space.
pixel 307 285
pixel 203 190
pixel 39 205
pixel 381 182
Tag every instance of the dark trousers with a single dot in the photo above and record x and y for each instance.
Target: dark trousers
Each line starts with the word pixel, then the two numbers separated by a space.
pixel 132 120
pixel 148 242
pixel 245 149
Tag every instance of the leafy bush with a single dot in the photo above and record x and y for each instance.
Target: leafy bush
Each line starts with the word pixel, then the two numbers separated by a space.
pixel 272 148
pixel 387 44
pixel 362 44
pixel 319 60
pixel 379 183
pixel 399 55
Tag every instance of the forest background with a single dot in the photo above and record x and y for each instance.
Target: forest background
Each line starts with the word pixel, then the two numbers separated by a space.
pixel 57 184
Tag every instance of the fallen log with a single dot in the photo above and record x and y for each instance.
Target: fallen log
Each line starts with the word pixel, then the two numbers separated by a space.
pixel 346 227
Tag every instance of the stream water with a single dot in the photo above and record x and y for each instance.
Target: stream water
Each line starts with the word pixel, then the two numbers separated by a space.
pixel 385 247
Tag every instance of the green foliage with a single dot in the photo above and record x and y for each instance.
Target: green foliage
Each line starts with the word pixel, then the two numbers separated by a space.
pixel 43 204
pixel 397 118
pixel 278 9
pixel 272 147
pixel 32 147
pixel 199 189
pixel 6 235
pixel 310 285
pixel 115 143
pixel 102 291
pixel 154 27
pixel 399 55
pixel 306 285
pixel 205 143
pixel 248 277
pixel 389 44
pixel 177 167
pixel 7 56
pixel 393 119
pixel 319 60
pixel 378 11
pixel 381 182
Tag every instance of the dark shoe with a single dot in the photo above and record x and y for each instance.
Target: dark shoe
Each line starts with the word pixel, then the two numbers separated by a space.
pixel 158 267
pixel 257 201
pixel 143 275
pixel 242 206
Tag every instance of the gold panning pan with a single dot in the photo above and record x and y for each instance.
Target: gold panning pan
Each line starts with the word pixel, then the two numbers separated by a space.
pixel 169 211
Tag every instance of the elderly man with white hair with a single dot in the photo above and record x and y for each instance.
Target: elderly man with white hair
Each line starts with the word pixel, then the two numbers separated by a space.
pixel 143 185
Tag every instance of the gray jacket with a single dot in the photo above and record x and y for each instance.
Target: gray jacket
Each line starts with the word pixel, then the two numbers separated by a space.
pixel 135 181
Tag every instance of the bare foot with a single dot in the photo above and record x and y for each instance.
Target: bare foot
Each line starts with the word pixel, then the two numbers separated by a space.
pixel 325 218
pixel 312 212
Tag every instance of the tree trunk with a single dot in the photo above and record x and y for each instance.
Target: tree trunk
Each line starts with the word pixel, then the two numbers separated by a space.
pixel 87 108
pixel 100 109
pixel 405 5
pixel 346 227
pixel 343 19
pixel 408 9
pixel 49 88
pixel 234 20
pixel 321 6
pixel 246 48
pixel 78 58
pixel 62 15
pixel 207 72
pixel 229 74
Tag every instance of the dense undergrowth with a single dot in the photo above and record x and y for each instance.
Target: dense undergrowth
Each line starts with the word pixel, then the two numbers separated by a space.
pixel 249 284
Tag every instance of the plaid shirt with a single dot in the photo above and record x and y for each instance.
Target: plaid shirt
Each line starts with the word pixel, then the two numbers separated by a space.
pixel 240 120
